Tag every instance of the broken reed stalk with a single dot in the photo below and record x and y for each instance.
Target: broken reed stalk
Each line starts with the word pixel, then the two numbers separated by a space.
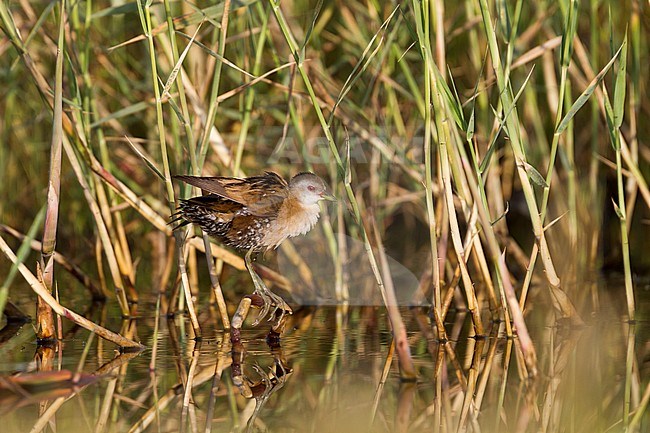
pixel 39 288
pixel 44 317
pixel 145 19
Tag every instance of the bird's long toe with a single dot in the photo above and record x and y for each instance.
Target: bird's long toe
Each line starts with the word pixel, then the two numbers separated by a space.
pixel 280 311
pixel 268 302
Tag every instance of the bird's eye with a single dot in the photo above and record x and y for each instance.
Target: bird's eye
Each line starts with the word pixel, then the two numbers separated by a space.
pixel 311 188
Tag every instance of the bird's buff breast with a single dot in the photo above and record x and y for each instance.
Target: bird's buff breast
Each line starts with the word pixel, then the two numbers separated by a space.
pixel 293 220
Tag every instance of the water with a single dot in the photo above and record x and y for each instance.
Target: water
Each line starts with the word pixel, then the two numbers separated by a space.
pixel 328 376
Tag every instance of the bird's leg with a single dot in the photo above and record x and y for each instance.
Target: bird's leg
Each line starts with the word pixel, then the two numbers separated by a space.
pixel 270 298
pixel 260 288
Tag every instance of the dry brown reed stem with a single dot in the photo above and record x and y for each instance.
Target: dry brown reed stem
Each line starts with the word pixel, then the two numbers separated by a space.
pixel 237 262
pixel 42 291
pixel 406 366
pixel 74 270
pixel 104 236
pixel 444 149
pixel 438 379
pixel 458 368
pixel 216 285
pixel 527 347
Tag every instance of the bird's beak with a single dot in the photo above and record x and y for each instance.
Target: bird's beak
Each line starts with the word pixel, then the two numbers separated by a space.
pixel 328 197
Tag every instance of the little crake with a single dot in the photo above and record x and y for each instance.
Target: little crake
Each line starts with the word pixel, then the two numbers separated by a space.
pixel 255 214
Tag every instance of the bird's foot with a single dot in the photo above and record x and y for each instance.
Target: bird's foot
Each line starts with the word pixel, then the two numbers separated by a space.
pixel 280 311
pixel 266 305
pixel 280 308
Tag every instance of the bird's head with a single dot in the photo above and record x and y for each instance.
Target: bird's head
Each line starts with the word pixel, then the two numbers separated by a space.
pixel 309 189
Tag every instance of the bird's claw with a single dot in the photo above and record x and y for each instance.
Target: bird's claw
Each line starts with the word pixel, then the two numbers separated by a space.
pixel 266 306
pixel 280 311
pixel 280 308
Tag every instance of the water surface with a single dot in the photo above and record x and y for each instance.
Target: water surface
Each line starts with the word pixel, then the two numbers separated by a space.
pixel 332 373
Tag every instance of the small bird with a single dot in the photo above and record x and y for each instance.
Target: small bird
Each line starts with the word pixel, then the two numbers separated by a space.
pixel 255 214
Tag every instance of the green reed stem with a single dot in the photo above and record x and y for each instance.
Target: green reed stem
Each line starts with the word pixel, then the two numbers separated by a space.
pixel 445 150
pixel 45 318
pixel 422 27
pixel 250 93
pixel 561 301
pixel 145 17
pixel 614 117
pixel 567 49
pixel 407 369
pixel 216 81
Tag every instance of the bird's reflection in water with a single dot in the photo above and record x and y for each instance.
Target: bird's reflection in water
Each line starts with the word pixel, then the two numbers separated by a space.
pixel 261 384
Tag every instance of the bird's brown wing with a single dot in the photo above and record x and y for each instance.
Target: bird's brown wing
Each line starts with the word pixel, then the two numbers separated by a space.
pixel 209 185
pixel 261 196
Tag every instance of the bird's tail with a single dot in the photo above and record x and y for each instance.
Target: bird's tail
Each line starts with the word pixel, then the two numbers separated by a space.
pixel 178 217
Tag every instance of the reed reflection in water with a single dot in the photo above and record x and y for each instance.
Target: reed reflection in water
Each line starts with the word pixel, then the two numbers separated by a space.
pixel 334 371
